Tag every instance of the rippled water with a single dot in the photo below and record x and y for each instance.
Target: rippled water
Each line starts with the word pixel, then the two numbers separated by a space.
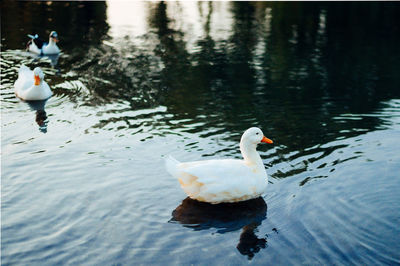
pixel 83 178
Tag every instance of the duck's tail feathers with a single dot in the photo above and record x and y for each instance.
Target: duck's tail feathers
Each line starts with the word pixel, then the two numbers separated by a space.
pixel 172 165
pixel 33 36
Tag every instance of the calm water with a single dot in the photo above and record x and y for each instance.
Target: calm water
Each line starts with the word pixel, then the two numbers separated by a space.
pixel 82 175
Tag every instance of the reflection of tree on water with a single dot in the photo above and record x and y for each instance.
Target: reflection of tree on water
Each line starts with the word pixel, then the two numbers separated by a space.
pixel 226 217
pixel 218 76
pixel 171 49
pixel 315 56
pixel 41 116
pixel 290 72
pixel 295 64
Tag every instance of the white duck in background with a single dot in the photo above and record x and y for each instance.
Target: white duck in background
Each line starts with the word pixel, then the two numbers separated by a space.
pixel 38 46
pixel 30 85
pixel 226 180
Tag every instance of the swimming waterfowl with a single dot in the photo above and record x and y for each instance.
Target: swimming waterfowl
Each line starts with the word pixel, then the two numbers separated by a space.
pixel 30 85
pixel 38 46
pixel 225 180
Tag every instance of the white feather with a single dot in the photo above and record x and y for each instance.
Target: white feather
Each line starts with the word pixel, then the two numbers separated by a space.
pixel 50 48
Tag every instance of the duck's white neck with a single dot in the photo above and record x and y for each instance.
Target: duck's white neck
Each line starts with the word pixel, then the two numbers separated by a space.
pixel 250 154
pixel 51 42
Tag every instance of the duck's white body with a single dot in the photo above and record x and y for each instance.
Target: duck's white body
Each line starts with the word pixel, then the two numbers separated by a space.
pixel 227 180
pixel 30 85
pixel 51 48
pixel 38 46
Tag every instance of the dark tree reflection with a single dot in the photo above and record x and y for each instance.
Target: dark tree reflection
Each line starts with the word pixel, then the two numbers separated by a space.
pixel 290 68
pixel 171 48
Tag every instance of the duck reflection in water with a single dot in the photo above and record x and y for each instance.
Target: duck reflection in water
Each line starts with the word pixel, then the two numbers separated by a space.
pixel 226 217
pixel 41 116
pixel 52 57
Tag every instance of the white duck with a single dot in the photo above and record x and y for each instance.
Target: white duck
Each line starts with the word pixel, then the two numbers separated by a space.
pixel 226 180
pixel 30 85
pixel 38 46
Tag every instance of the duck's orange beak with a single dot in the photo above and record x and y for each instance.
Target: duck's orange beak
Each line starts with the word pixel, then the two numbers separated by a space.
pixel 37 80
pixel 266 140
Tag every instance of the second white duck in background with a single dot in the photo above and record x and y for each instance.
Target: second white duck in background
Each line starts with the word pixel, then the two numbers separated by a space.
pixel 38 46
pixel 226 180
pixel 30 85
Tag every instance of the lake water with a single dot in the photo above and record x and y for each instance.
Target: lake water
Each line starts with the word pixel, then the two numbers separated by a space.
pixel 82 175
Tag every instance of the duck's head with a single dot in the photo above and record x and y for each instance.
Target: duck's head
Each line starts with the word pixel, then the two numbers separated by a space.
pixel 254 136
pixel 38 75
pixel 54 36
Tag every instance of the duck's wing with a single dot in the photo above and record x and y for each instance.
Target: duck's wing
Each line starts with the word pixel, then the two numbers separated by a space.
pixel 214 171
pixel 217 181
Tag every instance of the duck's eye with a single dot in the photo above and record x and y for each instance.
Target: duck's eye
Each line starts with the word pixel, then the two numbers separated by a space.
pixel 257 133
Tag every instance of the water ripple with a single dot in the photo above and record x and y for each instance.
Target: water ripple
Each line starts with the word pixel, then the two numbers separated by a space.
pixel 92 188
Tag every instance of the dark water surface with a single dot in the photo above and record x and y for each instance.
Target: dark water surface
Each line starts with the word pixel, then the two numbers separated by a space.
pixel 83 178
